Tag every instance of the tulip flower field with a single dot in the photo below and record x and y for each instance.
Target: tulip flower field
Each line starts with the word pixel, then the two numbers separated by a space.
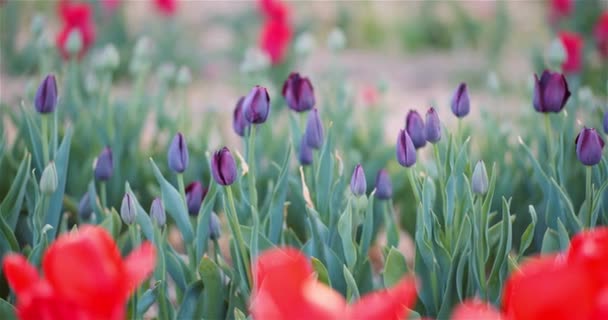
pixel 172 160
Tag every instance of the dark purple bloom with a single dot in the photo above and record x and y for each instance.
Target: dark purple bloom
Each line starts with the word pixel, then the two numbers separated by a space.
pixel 384 187
pixel 305 155
pixel 460 101
pixel 104 167
pixel 157 212
pixel 195 193
pixel 239 123
pixel 406 152
pixel 414 125
pixel 256 105
pixel 432 127
pixel 314 130
pixel 550 92
pixel 358 184
pixel 299 93
pixel 589 146
pixel 223 167
pixel 215 228
pixel 177 155
pixel 85 210
pixel 46 95
pixel 606 122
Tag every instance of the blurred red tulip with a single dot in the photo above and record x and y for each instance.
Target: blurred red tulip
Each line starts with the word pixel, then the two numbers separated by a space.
pixel 476 309
pixel 75 16
pixel 559 9
pixel 275 38
pixel 590 248
pixel 84 277
pixel 601 34
pixel 274 9
pixel 166 7
pixel 573 43
pixel 285 288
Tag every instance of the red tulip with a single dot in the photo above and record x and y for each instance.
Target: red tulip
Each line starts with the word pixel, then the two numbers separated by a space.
pixel 166 7
pixel 75 16
pixel 84 277
pixel 601 35
pixel 590 248
pixel 573 43
pixel 274 9
pixel 560 9
pixel 476 310
pixel 275 38
pixel 285 288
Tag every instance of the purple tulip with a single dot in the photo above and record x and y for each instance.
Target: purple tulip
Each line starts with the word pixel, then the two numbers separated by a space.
pixel 406 152
pixel 589 146
pixel 299 93
pixel 104 167
pixel 550 92
pixel 414 125
pixel 358 185
pixel 195 193
pixel 157 212
pixel 432 128
pixel 606 122
pixel 215 228
pixel 177 155
pixel 45 100
pixel 85 210
pixel 314 130
pixel 256 105
pixel 223 167
pixel 460 101
pixel 239 123
pixel 384 187
pixel 128 209
pixel 305 155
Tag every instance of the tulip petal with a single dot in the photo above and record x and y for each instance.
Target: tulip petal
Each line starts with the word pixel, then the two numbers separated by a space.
pixel 393 303
pixel 476 310
pixel 140 264
pixel 21 275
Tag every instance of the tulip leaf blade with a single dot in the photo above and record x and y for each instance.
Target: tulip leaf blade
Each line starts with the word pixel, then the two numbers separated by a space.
pixel 141 217
pixel 54 211
pixel 345 229
pixel 352 291
pixel 146 300
pixel 322 273
pixel 550 242
pixel 277 202
pixel 213 294
pixel 394 268
pixel 528 234
pixel 190 307
pixel 13 201
pixel 7 311
pixel 202 223
pixel 368 228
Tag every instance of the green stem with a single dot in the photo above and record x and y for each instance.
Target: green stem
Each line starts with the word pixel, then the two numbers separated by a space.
pixel 233 221
pixel 588 197
pixel 253 193
pixel 216 251
pixel 44 128
pixel 135 241
pixel 104 198
pixel 410 176
pixel 161 275
pixel 182 189
pixel 549 139
pixel 392 230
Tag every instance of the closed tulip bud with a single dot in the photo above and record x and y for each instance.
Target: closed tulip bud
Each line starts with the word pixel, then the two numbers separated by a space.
pixel 314 130
pixel 460 101
pixel 128 209
pixel 406 152
pixel 305 155
pixel 589 146
pixel 550 92
pixel 85 209
pixel 358 184
pixel 384 187
pixel 223 167
pixel 215 228
pixel 104 166
pixel 239 123
pixel 298 93
pixel 177 155
pixel 606 122
pixel 195 193
pixel 479 181
pixel 48 180
pixel 414 125
pixel 256 105
pixel 46 95
pixel 157 212
pixel 432 128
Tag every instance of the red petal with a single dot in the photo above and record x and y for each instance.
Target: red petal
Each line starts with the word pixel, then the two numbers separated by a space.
pixel 393 303
pixel 140 264
pixel 21 275
pixel 476 310
pixel 590 248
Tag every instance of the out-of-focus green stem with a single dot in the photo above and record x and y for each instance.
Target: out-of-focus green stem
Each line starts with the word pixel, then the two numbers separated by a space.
pixel 182 189
pixel 392 229
pixel 410 176
pixel 102 187
pixel 549 136
pixel 135 243
pixel 234 224
pixel 588 198
pixel 44 128
pixel 253 193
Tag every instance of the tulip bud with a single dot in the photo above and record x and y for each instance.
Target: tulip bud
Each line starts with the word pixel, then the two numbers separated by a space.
pixel 414 125
pixel 223 167
pixel 128 209
pixel 215 228
pixel 104 166
pixel 184 77
pixel 589 146
pixel 479 181
pixel 314 130
pixel 157 212
pixel 432 128
pixel 48 180
pixel 85 210
pixel 299 93
pixel 305 44
pixel 550 92
pixel 239 124
pixel 177 155
pixel 256 105
pixel 460 101
pixel 406 152
pixel 384 187
pixel 195 193
pixel 358 185
pixel 45 100
pixel 606 122
pixel 305 155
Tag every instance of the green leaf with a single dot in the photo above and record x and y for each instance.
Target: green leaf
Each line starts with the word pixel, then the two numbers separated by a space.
pixel 55 208
pixel 141 218
pixel 322 274
pixel 202 223
pixel 345 229
pixel 12 202
pixel 239 315
pixel 112 223
pixel 263 242
pixel 368 228
pixel 277 204
pixel 190 307
pixel 394 268
pixel 550 242
pixel 324 174
pixel 9 242
pixel 7 311
pixel 147 299
pixel 213 295
pixel 528 235
pixel 351 286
